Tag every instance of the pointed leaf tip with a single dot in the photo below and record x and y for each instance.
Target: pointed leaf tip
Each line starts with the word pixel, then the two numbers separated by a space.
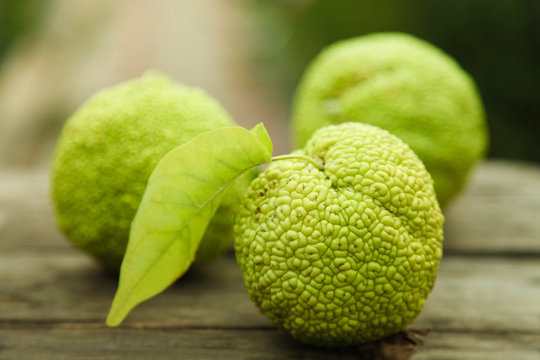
pixel 262 135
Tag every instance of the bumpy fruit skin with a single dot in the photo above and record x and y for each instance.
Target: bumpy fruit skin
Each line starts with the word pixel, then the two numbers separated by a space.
pixel 406 86
pixel 107 151
pixel 347 254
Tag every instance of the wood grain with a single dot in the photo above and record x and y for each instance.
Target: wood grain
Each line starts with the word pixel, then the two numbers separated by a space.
pixel 499 212
pixel 26 215
pixel 471 294
pixel 69 342
pixel 480 346
pixel 94 342
pixel 486 302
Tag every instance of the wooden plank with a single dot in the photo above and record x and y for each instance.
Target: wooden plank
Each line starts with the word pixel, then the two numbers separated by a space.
pixel 485 294
pixel 53 299
pixel 74 342
pixel 71 342
pixel 498 213
pixel 26 216
pixel 479 346
pixel 57 288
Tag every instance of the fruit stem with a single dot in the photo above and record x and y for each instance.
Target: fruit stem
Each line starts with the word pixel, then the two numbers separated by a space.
pixel 298 157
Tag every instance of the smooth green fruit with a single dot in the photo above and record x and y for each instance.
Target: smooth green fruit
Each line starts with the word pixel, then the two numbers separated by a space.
pixel 406 86
pixel 346 254
pixel 107 151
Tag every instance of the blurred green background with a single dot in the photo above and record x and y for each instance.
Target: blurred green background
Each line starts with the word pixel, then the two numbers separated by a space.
pixel 496 41
pixel 250 55
pixel 16 19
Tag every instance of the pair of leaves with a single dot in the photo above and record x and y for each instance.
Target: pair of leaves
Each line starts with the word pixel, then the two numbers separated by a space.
pixel 182 195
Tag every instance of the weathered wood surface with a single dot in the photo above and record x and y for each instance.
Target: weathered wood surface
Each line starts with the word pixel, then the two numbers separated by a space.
pixel 485 305
pixel 499 213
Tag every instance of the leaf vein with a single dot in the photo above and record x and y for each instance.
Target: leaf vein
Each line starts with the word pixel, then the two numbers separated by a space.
pixel 199 179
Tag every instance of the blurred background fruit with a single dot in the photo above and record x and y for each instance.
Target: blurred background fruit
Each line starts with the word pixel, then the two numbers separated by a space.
pixel 109 148
pixel 402 84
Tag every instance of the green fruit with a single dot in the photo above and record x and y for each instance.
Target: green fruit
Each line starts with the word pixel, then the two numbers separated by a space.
pixel 348 253
pixel 107 151
pixel 406 86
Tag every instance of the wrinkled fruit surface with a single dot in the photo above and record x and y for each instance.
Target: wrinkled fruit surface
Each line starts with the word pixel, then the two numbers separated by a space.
pixel 107 151
pixel 406 86
pixel 347 254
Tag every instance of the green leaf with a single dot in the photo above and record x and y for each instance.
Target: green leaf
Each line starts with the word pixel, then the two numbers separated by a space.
pixel 182 195
pixel 262 135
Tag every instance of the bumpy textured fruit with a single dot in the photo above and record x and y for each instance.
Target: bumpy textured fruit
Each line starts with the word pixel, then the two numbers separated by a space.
pixel 107 151
pixel 346 254
pixel 406 86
